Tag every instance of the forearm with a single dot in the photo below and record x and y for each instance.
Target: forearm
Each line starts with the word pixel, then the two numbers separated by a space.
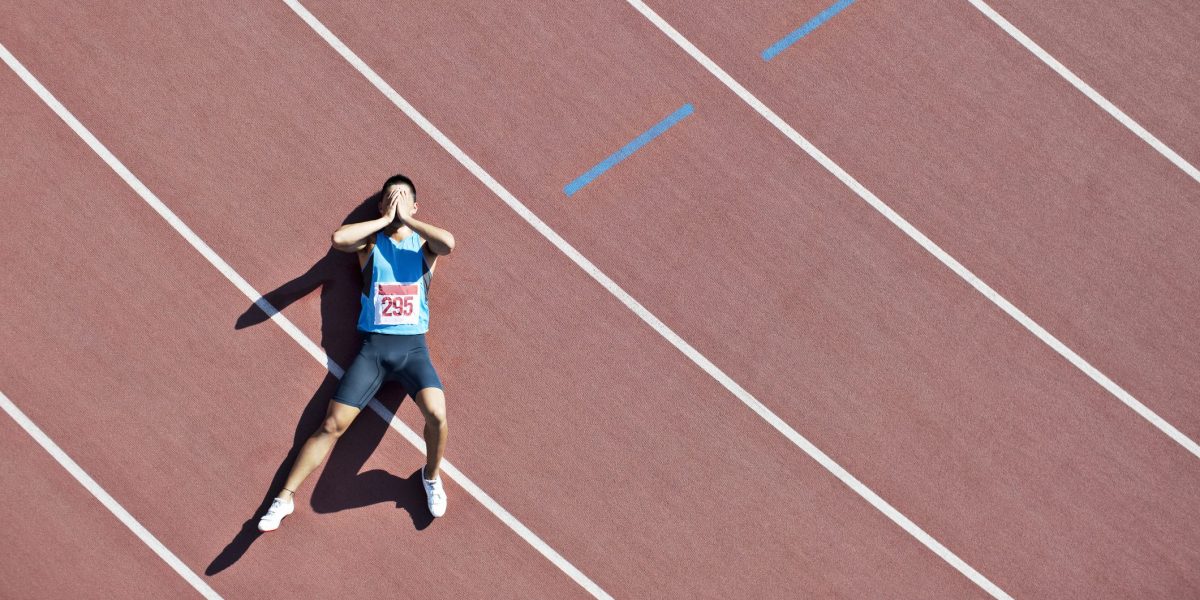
pixel 354 235
pixel 440 241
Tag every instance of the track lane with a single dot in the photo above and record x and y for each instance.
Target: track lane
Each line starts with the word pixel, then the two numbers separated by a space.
pixel 1142 56
pixel 1010 169
pixel 70 545
pixel 737 514
pixel 121 340
pixel 536 96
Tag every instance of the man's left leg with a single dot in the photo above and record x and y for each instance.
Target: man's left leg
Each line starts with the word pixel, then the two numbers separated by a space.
pixel 432 402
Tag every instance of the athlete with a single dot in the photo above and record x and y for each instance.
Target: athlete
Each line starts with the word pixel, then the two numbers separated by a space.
pixel 398 255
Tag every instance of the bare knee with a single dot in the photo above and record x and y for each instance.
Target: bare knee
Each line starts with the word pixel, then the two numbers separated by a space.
pixel 330 427
pixel 433 405
pixel 435 416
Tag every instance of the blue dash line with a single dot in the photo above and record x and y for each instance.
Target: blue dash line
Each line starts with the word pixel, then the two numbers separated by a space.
pixel 805 29
pixel 628 149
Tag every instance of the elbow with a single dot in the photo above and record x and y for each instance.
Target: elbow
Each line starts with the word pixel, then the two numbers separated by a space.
pixel 448 244
pixel 338 243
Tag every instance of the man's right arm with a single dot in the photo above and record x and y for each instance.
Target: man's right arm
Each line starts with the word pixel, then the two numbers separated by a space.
pixel 355 237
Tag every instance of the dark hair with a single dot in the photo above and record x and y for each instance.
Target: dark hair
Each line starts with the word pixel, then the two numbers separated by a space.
pixel 398 179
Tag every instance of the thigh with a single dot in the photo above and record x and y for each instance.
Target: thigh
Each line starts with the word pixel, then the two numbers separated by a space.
pixel 362 380
pixel 418 374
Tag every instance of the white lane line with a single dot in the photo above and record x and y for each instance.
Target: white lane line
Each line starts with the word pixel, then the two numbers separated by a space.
pixel 919 237
pixel 111 504
pixel 604 280
pixel 300 338
pixel 1087 90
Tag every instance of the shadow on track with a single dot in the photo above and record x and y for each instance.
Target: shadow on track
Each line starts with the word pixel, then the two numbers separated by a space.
pixel 340 485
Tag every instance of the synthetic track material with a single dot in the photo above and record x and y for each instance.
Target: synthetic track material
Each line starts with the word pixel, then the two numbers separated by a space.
pixel 54 514
pixel 654 322
pixel 504 378
pixel 1104 103
pixel 168 439
pixel 255 131
pixel 1016 407
pixel 1140 55
pixel 305 342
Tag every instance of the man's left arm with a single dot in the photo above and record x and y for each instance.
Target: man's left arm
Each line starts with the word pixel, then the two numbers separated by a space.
pixel 438 240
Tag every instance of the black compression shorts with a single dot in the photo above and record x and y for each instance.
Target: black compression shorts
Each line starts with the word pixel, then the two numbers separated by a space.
pixel 387 357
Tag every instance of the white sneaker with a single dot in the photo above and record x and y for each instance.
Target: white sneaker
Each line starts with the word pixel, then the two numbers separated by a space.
pixel 435 494
pixel 279 509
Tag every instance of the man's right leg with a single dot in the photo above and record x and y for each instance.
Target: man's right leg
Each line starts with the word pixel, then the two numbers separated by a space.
pixel 358 385
pixel 317 446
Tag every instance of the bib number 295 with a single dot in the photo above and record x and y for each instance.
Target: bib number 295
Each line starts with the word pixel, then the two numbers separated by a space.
pixel 396 304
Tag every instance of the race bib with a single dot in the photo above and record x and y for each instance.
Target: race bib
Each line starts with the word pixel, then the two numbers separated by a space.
pixel 397 304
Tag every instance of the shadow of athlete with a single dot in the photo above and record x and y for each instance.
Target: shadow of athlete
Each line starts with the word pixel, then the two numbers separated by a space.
pixel 326 418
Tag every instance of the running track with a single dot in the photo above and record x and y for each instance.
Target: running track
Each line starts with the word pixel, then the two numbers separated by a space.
pixel 169 388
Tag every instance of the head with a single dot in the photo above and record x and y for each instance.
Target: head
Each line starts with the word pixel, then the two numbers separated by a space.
pixel 394 183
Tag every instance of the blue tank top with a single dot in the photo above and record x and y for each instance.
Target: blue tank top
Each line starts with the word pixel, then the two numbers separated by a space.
pixel 395 295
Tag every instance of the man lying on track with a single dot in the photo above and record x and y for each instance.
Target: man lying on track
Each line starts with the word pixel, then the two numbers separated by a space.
pixel 397 254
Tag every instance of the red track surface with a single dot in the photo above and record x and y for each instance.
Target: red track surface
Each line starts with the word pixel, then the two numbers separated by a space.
pixel 1140 55
pixel 156 375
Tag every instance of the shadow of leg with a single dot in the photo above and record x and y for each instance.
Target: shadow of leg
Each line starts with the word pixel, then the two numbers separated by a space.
pixel 412 499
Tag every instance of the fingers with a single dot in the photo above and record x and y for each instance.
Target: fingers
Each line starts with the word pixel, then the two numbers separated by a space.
pixel 396 196
pixel 399 201
pixel 389 206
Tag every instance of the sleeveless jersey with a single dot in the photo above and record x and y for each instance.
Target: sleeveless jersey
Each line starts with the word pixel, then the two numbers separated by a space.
pixel 395 294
